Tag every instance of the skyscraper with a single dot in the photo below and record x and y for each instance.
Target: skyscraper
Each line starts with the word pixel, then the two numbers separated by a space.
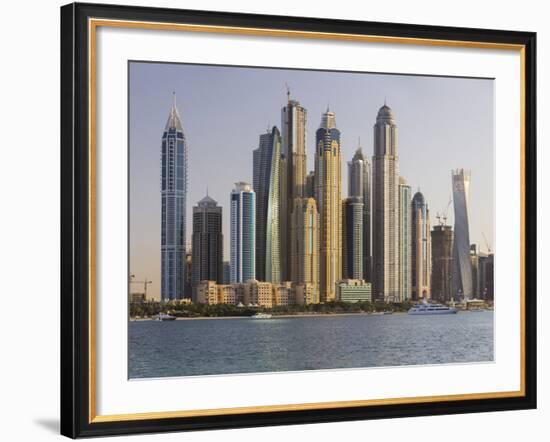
pixel 207 243
pixel 305 247
pixel 442 246
pixel 292 174
pixel 359 177
pixel 243 233
pixel 485 276
pixel 328 177
pixel 226 272
pixel 352 238
pixel 385 213
pixel 173 207
pixel 462 284
pixel 310 185
pixel 405 269
pixel 421 248
pixel 188 286
pixel 266 179
pixel 474 259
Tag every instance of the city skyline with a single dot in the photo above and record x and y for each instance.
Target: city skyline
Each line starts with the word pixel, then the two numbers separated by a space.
pixel 241 158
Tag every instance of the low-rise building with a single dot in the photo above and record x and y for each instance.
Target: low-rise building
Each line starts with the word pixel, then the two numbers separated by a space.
pixel 226 294
pixel 354 290
pixel 306 293
pixel 207 292
pixel 257 293
pixel 282 294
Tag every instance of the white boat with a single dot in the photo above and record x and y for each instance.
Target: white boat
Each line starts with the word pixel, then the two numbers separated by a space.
pixel 165 317
pixel 261 315
pixel 431 309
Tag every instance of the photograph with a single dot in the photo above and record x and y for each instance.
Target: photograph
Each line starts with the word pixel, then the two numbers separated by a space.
pixel 284 219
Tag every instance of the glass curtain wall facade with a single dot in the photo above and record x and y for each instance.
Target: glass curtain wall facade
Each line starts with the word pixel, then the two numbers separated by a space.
pixel 174 167
pixel 266 180
pixel 352 238
pixel 359 185
pixel 462 284
pixel 207 243
pixel 243 233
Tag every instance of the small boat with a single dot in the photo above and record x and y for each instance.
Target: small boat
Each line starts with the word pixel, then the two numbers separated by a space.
pixel 165 317
pixel 261 315
pixel 388 312
pixel 431 309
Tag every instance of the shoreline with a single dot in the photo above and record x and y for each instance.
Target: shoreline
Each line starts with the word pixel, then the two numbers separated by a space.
pixel 276 316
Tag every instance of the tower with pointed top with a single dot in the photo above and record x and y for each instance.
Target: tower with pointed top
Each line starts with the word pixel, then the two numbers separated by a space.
pixel 359 186
pixel 421 248
pixel 405 241
pixel 174 166
pixel 385 208
pixel 328 193
pixel 293 174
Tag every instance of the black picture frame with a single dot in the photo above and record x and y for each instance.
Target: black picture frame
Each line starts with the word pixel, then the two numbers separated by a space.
pixel 75 221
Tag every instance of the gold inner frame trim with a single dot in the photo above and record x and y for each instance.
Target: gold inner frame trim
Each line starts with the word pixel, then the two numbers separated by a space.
pixel 93 24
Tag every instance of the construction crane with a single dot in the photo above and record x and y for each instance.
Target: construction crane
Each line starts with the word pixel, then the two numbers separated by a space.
pixel 489 250
pixel 447 211
pixel 145 284
pixel 443 215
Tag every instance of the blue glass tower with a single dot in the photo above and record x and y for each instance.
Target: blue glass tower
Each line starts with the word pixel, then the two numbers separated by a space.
pixel 174 200
pixel 243 233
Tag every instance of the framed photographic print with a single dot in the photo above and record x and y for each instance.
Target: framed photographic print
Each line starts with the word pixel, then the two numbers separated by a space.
pixel 275 220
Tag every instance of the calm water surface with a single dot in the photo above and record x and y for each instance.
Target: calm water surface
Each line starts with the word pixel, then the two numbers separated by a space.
pixel 223 346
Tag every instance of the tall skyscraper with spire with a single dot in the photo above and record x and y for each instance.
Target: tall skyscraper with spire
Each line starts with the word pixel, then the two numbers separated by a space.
pixel 207 240
pixel 328 183
pixel 266 179
pixel 359 186
pixel 421 248
pixel 174 166
pixel 243 233
pixel 462 283
pixel 385 210
pixel 293 173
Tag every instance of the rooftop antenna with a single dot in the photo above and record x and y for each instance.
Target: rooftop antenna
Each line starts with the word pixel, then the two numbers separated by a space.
pixel 328 107
pixel 384 100
pixel 359 142
pixel 174 98
pixel 287 91
pixel 207 190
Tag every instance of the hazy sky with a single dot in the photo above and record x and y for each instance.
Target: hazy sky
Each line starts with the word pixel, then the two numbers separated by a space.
pixel 443 124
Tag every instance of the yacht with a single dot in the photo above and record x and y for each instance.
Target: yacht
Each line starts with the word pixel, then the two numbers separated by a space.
pixel 431 309
pixel 165 317
pixel 261 315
